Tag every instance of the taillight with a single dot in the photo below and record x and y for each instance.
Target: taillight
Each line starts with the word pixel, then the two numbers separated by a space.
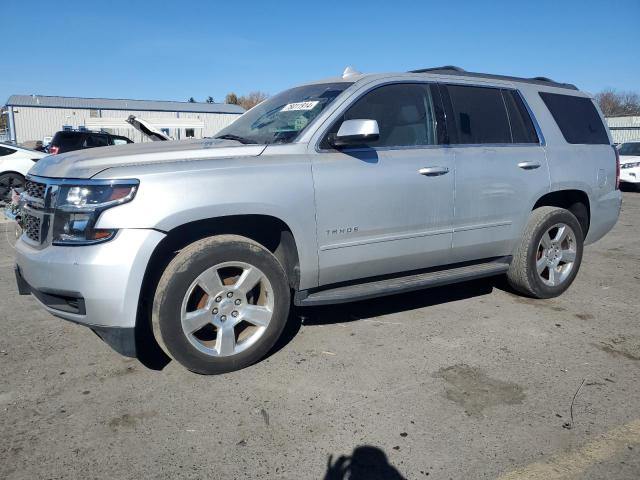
pixel 617 167
pixel 54 149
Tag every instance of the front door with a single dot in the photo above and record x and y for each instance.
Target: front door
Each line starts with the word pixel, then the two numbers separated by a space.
pixel 385 207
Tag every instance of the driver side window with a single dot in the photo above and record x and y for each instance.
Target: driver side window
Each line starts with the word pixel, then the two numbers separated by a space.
pixel 405 114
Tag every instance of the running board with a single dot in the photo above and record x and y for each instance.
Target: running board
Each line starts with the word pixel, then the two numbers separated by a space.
pixel 392 286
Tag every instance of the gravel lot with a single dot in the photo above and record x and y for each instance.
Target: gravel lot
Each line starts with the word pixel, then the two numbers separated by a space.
pixel 462 382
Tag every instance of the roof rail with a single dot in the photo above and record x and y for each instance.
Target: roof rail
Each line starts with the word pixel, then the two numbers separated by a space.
pixel 435 69
pixel 453 70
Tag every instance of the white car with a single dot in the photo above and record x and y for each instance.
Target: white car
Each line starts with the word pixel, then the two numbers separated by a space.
pixel 630 163
pixel 15 162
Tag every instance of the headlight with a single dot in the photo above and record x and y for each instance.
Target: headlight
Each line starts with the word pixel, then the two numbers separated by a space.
pixel 79 206
pixel 630 165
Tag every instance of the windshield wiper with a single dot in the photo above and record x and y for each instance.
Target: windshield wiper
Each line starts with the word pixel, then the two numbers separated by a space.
pixel 237 138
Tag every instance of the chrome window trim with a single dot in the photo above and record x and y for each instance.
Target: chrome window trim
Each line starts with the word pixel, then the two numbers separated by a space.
pixel 534 120
pixel 541 140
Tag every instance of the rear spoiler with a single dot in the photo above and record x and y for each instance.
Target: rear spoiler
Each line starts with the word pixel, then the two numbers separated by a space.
pixel 147 129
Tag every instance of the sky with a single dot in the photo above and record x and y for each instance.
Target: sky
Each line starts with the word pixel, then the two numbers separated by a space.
pixel 179 49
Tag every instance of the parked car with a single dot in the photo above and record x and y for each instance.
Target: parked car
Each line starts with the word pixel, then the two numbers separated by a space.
pixel 70 140
pixel 15 162
pixel 630 163
pixel 334 191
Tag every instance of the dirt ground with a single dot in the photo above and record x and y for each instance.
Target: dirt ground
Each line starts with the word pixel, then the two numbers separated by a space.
pixel 461 382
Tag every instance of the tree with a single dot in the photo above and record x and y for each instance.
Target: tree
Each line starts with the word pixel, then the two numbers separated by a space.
pixel 618 104
pixel 231 98
pixel 192 100
pixel 252 99
pixel 210 99
pixel 246 101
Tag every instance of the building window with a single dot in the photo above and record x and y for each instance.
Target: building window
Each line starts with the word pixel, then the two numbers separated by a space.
pixel 165 131
pixel 93 113
pixel 189 133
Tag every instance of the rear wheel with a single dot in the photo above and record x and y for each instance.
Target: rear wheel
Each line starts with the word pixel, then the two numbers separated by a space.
pixel 221 304
pixel 10 181
pixel 548 257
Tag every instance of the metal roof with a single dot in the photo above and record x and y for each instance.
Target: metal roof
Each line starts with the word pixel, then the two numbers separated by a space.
pixel 120 104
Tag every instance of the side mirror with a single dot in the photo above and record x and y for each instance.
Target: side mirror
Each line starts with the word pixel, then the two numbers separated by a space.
pixel 356 132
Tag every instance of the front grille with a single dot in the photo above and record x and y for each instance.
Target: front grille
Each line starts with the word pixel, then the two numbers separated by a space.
pixel 35 189
pixel 31 227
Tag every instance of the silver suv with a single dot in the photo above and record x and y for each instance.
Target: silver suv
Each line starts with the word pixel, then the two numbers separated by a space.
pixel 334 191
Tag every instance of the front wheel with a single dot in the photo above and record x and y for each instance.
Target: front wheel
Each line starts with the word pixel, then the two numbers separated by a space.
pixel 221 304
pixel 548 257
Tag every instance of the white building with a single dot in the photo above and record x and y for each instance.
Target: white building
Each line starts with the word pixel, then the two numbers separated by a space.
pixel 624 129
pixel 31 118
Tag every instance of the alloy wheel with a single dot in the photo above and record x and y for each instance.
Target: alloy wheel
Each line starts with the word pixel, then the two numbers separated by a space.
pixel 556 254
pixel 227 308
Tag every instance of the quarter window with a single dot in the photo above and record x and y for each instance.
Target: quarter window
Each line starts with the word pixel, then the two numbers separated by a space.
pixel 577 118
pixel 479 115
pixel 405 114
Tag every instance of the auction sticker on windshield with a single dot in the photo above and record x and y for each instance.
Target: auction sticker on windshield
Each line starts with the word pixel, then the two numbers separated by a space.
pixel 291 107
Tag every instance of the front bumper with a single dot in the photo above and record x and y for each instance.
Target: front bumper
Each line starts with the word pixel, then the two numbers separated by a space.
pixel 97 285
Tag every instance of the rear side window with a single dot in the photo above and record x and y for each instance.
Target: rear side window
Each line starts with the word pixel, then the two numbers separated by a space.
pixel 522 129
pixel 577 118
pixel 479 115
pixel 96 141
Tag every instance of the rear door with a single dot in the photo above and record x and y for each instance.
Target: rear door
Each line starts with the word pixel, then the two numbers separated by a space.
pixel 378 211
pixel 501 168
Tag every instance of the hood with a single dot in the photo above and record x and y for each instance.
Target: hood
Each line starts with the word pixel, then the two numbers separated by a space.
pixel 89 162
pixel 629 159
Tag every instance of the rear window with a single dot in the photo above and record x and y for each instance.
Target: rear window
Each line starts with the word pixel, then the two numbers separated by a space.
pixel 577 118
pixel 479 115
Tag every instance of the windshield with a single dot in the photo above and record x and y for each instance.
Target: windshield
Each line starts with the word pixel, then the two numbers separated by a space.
pixel 630 149
pixel 281 118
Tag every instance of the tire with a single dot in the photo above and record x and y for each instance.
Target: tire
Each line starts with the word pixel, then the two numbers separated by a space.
pixel 545 272
pixel 8 181
pixel 210 283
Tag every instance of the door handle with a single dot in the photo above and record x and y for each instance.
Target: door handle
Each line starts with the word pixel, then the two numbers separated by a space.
pixel 528 165
pixel 433 171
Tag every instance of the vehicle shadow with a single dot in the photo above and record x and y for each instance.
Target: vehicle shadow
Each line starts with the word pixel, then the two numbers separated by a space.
pixel 365 463
pixel 152 356
pixel 355 311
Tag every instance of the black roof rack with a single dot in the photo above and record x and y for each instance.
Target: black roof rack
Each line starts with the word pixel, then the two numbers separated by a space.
pixel 453 70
